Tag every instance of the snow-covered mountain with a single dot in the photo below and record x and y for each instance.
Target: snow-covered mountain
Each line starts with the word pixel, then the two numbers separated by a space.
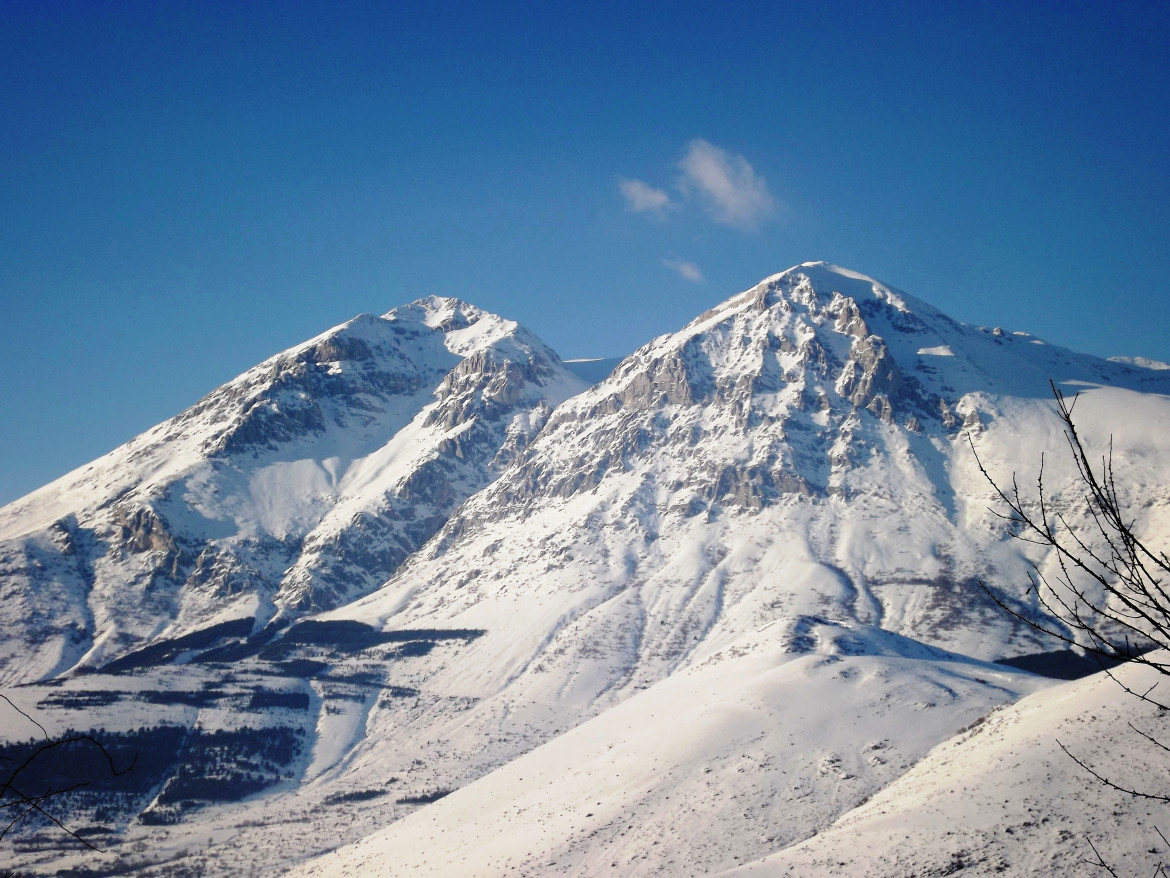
pixel 803 449
pixel 296 487
pixel 670 623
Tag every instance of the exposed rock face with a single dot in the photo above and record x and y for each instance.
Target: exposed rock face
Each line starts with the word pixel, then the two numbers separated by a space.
pixel 141 530
pixel 221 574
pixel 342 380
pixel 778 372
pixel 869 371
pixel 675 379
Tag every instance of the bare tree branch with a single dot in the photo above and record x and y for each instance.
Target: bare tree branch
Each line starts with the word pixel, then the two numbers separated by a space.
pixel 1107 595
pixel 1136 793
pixel 25 715
pixel 1099 861
pixel 1132 612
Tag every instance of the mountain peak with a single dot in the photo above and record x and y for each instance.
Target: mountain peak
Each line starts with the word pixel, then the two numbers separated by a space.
pixel 826 278
pixel 437 312
pixel 467 329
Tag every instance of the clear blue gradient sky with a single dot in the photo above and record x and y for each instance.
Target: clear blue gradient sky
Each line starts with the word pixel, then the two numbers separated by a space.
pixel 187 188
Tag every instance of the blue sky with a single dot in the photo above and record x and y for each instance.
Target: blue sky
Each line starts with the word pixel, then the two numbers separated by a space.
pixel 187 188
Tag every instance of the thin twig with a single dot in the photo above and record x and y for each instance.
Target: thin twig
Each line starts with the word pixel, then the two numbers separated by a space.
pixel 1136 793
pixel 12 704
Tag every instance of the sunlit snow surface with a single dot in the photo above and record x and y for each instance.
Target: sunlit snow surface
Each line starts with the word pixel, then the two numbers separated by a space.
pixel 682 620
pixel 1003 798
pixel 754 749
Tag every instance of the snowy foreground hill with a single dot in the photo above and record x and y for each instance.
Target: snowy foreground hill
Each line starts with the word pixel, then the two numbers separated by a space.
pixel 411 599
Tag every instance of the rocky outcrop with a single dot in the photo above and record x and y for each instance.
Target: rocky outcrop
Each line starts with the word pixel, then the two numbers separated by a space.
pixel 869 372
pixel 141 530
pixel 486 386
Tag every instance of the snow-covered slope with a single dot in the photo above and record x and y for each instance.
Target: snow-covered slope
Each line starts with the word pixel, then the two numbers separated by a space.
pixel 755 748
pixel 299 485
pixel 1004 798
pixel 758 538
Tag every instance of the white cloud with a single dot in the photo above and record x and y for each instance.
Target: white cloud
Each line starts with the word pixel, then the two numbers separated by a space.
pixel 686 270
pixel 642 197
pixel 730 189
